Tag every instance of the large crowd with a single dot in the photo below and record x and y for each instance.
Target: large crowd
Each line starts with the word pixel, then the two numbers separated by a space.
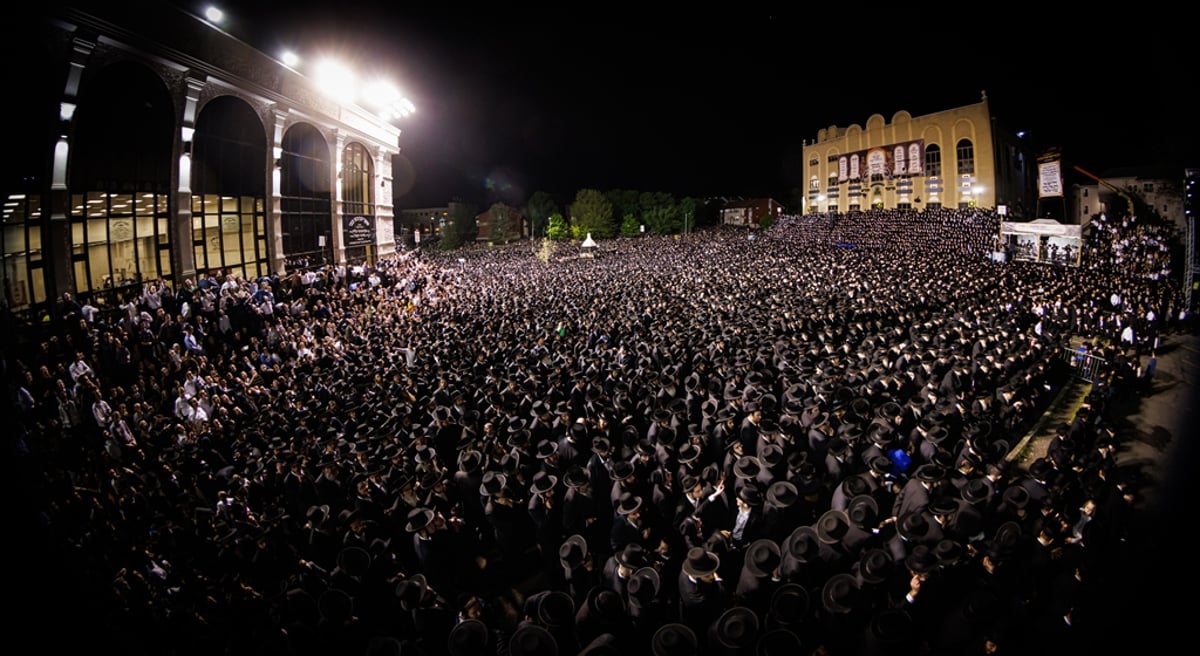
pixel 798 443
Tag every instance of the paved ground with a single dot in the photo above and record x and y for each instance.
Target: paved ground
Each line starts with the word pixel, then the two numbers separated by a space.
pixel 1152 607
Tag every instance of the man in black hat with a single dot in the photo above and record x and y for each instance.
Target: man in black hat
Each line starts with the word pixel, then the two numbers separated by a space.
pixel 621 565
pixel 914 496
pixel 702 594
pixel 760 576
pixel 628 527
pixel 546 513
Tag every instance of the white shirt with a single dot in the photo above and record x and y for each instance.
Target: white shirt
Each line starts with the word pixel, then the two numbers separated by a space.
pixel 739 525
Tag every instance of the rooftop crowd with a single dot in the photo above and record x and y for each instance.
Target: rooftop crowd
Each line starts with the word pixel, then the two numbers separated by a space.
pixel 703 444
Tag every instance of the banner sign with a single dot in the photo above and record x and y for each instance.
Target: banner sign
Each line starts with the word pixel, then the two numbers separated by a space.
pixel 358 230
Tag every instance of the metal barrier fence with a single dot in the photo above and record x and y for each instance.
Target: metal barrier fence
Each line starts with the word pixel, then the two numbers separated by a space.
pixel 1084 365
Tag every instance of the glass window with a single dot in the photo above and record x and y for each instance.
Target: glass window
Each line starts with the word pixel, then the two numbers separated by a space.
pixel 965 152
pixel 933 160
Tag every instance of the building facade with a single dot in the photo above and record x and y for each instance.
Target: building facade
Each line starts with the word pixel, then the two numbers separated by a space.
pixel 165 147
pixel 953 158
pixel 753 213
pixel 1165 195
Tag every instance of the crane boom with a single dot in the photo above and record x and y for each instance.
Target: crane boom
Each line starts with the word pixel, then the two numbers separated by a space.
pixel 1118 190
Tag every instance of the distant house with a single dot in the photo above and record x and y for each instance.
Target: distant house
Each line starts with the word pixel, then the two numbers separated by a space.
pixel 751 212
pixel 518 230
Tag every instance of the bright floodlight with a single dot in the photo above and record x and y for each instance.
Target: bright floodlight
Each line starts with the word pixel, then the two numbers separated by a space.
pixel 383 97
pixel 213 14
pixel 290 58
pixel 335 80
pixel 380 93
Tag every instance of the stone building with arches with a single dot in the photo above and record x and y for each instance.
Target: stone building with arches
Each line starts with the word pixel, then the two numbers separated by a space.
pixel 154 146
pixel 958 157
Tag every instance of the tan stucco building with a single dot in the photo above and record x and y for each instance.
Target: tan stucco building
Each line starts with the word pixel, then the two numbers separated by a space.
pixel 953 158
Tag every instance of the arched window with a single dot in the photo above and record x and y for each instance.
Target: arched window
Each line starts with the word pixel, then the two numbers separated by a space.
pixel 229 226
pixel 304 187
pixel 120 180
pixel 966 157
pixel 358 202
pixel 933 160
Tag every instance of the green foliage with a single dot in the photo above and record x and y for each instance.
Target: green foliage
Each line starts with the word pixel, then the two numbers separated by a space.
pixel 767 221
pixel 461 228
pixel 578 232
pixel 557 228
pixel 662 220
pixel 592 213
pixel 625 202
pixel 539 209
pixel 630 226
pixel 689 210
pixel 501 223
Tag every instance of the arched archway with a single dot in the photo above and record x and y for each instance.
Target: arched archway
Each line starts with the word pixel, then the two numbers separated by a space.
pixel 120 180
pixel 229 181
pixel 305 175
pixel 358 202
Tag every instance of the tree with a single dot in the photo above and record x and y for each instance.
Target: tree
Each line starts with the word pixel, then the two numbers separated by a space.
pixel 625 202
pixel 501 220
pixel 630 226
pixel 539 209
pixel 592 213
pixel 557 227
pixel 688 208
pixel 462 227
pixel 659 213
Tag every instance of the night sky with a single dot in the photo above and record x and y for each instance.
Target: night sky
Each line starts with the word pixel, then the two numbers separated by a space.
pixel 719 103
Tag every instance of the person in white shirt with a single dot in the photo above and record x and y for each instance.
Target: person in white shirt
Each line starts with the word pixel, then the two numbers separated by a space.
pixel 80 367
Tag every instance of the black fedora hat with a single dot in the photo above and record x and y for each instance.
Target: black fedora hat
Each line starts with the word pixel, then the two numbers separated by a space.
pixel 604 604
pixel 674 639
pixel 916 526
pixel 977 489
pixel 782 494
pixel 949 551
pixel 573 551
pixel 747 467
pixel 493 483
pixel 943 505
pixel 736 628
pixel 532 640
pixel 621 470
pixel 632 556
pixel 921 559
pixel 469 637
pixel 790 604
pixel 832 526
pixel 644 585
pixel 418 519
pixel 841 594
pixel 762 557
pixel 875 565
pixel 803 544
pixel 750 495
pixel 543 482
pixel 628 503
pixel 1016 495
pixel 863 511
pixel 778 642
pixel 354 561
pixel 700 562
pixel 575 477
pixel 556 610
pixel 411 591
pixel 930 473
